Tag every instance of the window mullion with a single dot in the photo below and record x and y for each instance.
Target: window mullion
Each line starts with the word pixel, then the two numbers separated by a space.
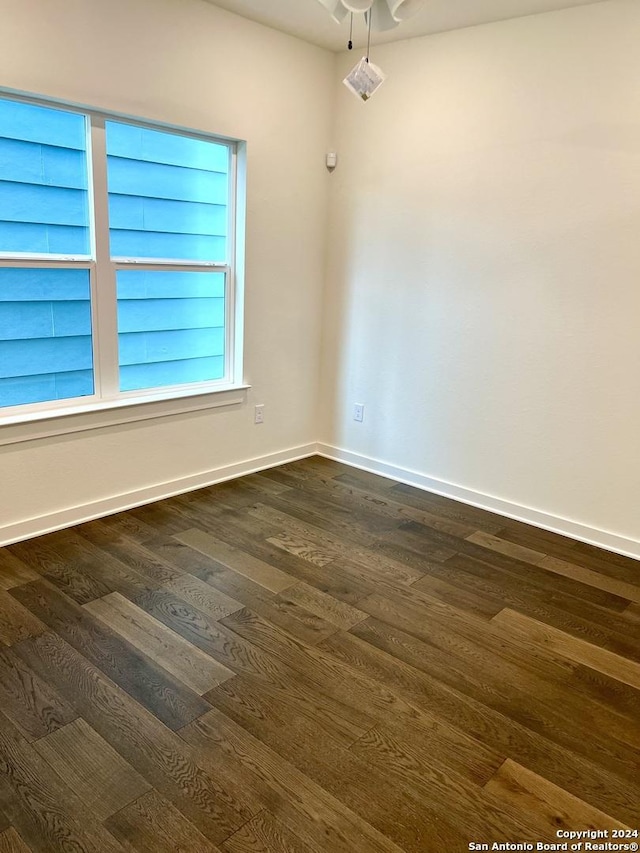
pixel 104 294
pixel 235 277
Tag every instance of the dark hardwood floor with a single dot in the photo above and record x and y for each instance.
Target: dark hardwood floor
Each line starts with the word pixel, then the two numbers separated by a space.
pixel 314 659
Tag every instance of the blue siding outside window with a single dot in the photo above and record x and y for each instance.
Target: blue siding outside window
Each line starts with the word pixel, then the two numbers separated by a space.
pixel 168 195
pixel 45 335
pixel 43 180
pixel 169 202
pixel 171 327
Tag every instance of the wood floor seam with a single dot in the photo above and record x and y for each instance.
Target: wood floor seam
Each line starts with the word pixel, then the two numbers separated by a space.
pixel 574 649
pixel 240 828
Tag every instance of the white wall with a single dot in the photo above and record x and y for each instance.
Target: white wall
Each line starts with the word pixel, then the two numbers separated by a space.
pixel 483 290
pixel 189 63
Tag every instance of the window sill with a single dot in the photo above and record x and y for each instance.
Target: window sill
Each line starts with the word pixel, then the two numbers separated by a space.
pixel 36 425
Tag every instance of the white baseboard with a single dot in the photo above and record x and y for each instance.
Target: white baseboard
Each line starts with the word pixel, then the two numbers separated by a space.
pixel 118 503
pixel 537 518
pixel 42 524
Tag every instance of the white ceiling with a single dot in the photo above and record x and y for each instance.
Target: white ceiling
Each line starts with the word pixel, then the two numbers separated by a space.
pixel 308 20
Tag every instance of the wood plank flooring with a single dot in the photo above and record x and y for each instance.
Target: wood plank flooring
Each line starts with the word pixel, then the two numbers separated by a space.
pixel 314 659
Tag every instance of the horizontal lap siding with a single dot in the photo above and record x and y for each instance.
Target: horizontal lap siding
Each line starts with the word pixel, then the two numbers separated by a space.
pixel 168 198
pixel 43 180
pixel 40 124
pixel 150 347
pixel 45 315
pixel 140 244
pixel 149 315
pixel 40 204
pixel 171 327
pixel 34 163
pixel 171 373
pixel 42 239
pixel 45 335
pixel 26 321
pixel 168 195
pixel 45 355
pixel 52 386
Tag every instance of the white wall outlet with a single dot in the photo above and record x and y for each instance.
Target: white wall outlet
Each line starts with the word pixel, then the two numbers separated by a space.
pixel 258 417
pixel 358 412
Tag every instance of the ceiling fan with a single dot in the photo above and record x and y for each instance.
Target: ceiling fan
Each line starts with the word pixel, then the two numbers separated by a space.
pixel 365 78
pixel 381 14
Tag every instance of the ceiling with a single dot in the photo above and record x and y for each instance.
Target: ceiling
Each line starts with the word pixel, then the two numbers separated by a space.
pixel 308 20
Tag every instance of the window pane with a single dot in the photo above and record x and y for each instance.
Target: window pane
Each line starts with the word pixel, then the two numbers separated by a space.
pixel 170 327
pixel 43 180
pixel 168 195
pixel 45 335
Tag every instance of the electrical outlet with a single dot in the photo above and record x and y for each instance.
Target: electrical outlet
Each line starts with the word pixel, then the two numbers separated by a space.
pixel 358 412
pixel 258 417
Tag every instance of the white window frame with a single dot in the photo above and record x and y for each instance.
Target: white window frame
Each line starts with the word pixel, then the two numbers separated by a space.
pixel 108 405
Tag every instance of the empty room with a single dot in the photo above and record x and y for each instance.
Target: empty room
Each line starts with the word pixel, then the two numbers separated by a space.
pixel 319 418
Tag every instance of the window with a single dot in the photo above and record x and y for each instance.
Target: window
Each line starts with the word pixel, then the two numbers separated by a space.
pixel 117 250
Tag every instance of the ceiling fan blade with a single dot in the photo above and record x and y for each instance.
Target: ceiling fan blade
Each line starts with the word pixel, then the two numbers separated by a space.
pixel 336 9
pixel 358 5
pixel 402 9
pixel 381 17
